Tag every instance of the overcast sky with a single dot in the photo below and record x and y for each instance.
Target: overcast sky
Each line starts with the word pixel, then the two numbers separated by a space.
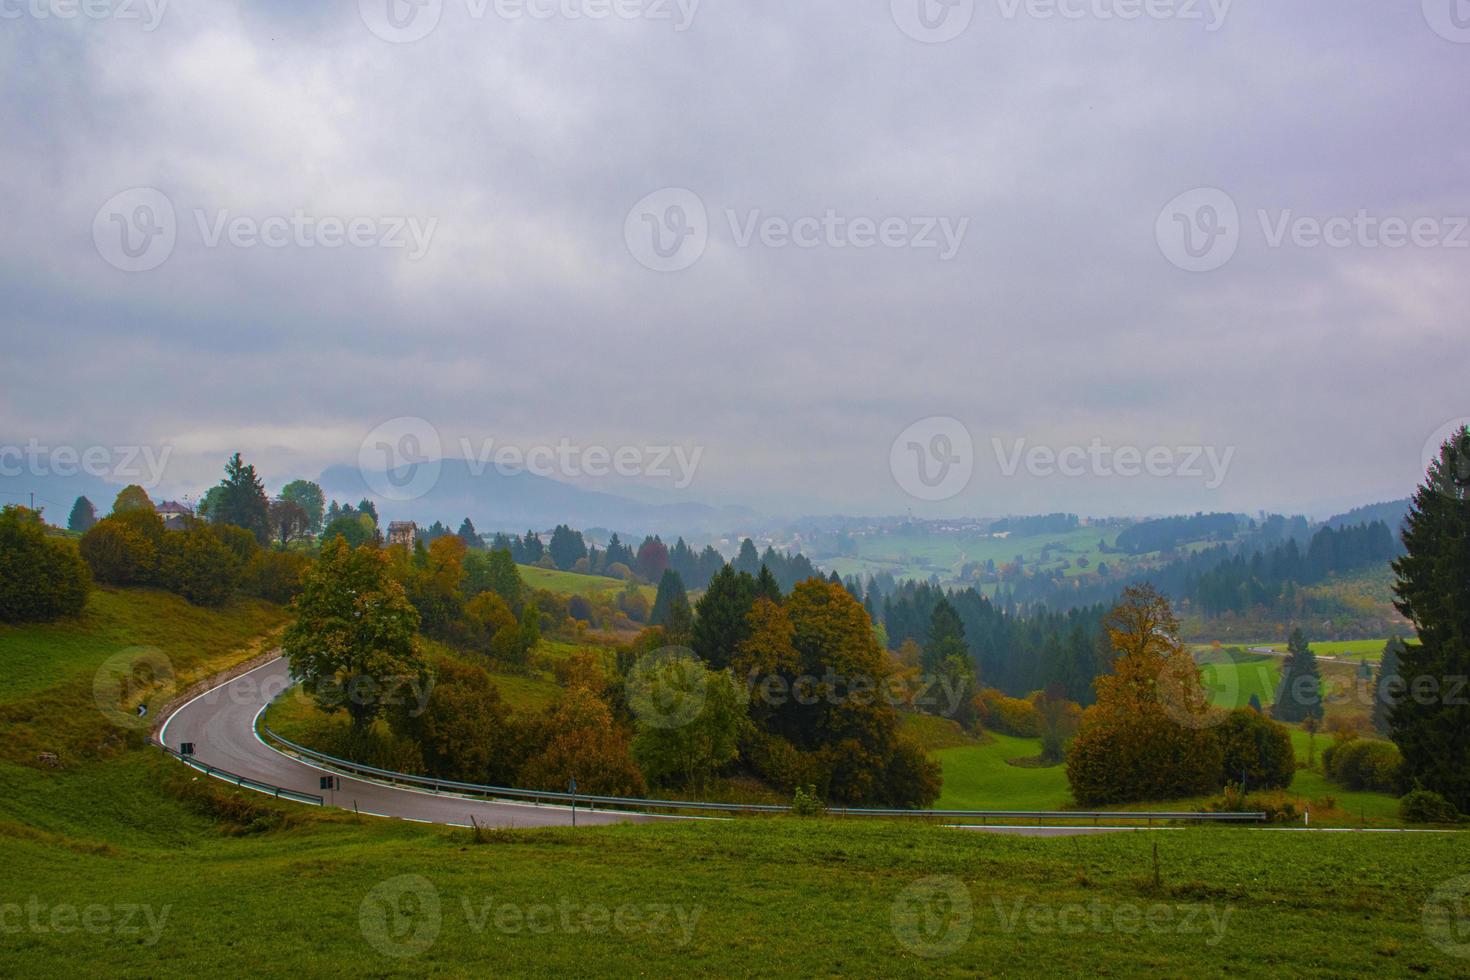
pixel 1017 188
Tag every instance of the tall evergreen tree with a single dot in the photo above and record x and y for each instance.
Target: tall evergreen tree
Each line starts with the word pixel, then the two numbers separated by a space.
pixel 83 515
pixel 1433 590
pixel 766 586
pixel 567 547
pixel 749 560
pixel 720 624
pixel 1388 686
pixel 242 500
pixel 470 536
pixel 671 609
pixel 1299 696
pixel 946 636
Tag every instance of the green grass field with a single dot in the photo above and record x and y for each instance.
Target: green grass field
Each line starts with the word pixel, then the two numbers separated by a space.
pixel 125 863
pixel 570 583
pixel 1369 650
pixel 176 879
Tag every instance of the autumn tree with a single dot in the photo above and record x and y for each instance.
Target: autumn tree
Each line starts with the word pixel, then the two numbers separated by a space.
pixel 132 497
pixel 462 728
pixel 353 637
pixel 1148 735
pixel 578 739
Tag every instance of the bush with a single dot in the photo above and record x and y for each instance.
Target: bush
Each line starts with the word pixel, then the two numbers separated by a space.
pixel 1276 806
pixel 1007 715
pixel 1364 764
pixel 1423 806
pixel 806 803
pixel 1258 749
pixel 275 575
pixel 41 578
pixel 197 565
pixel 1151 758
pixel 123 549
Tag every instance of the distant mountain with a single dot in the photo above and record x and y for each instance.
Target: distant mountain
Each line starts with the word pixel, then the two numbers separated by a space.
pixel 498 501
pixel 1391 513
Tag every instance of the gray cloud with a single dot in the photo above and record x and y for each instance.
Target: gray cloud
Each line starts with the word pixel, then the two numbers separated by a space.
pixel 529 320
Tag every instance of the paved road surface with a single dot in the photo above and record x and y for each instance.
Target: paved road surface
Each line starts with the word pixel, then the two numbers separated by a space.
pixel 221 724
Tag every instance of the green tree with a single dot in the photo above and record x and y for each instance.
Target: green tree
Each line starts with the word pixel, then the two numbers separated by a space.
pixel 197 565
pixel 1388 686
pixel 353 638
pixel 356 529
pixel 83 515
pixel 671 609
pixel 242 500
pixel 309 497
pixel 122 549
pixel 720 621
pixel 41 578
pixel 132 497
pixel 462 729
pixel 566 548
pixel 1299 695
pixel 687 754
pixel 1433 591
pixel 1257 751
pixel 946 637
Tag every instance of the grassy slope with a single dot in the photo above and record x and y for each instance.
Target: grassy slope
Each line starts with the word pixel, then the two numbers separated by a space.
pixel 48 701
pixel 241 885
pixel 791 897
pixel 570 583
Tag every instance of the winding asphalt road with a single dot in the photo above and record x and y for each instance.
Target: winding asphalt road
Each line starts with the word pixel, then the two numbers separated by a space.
pixel 221 724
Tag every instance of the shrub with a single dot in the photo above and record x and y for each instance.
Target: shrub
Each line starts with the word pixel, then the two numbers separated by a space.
pixel 1007 715
pixel 1257 749
pixel 275 575
pixel 806 803
pixel 41 578
pixel 1423 806
pixel 1364 764
pixel 1276 806
pixel 123 549
pixel 197 565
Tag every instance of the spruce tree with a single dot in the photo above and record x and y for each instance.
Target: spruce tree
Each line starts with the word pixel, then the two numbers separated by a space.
pixel 83 515
pixel 1299 695
pixel 946 636
pixel 1388 687
pixel 671 608
pixel 1431 723
pixel 721 623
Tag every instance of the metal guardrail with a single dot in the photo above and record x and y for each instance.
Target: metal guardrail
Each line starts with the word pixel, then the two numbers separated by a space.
pixel 279 792
pixel 547 796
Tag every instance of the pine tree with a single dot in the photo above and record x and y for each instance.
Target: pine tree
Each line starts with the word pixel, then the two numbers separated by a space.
pixel 1299 696
pixel 671 609
pixel 242 500
pixel 766 586
pixel 470 536
pixel 1388 687
pixel 720 624
pixel 946 637
pixel 1433 591
pixel 83 515
pixel 1255 704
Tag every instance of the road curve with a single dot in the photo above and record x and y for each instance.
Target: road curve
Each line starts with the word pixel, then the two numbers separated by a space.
pixel 221 724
